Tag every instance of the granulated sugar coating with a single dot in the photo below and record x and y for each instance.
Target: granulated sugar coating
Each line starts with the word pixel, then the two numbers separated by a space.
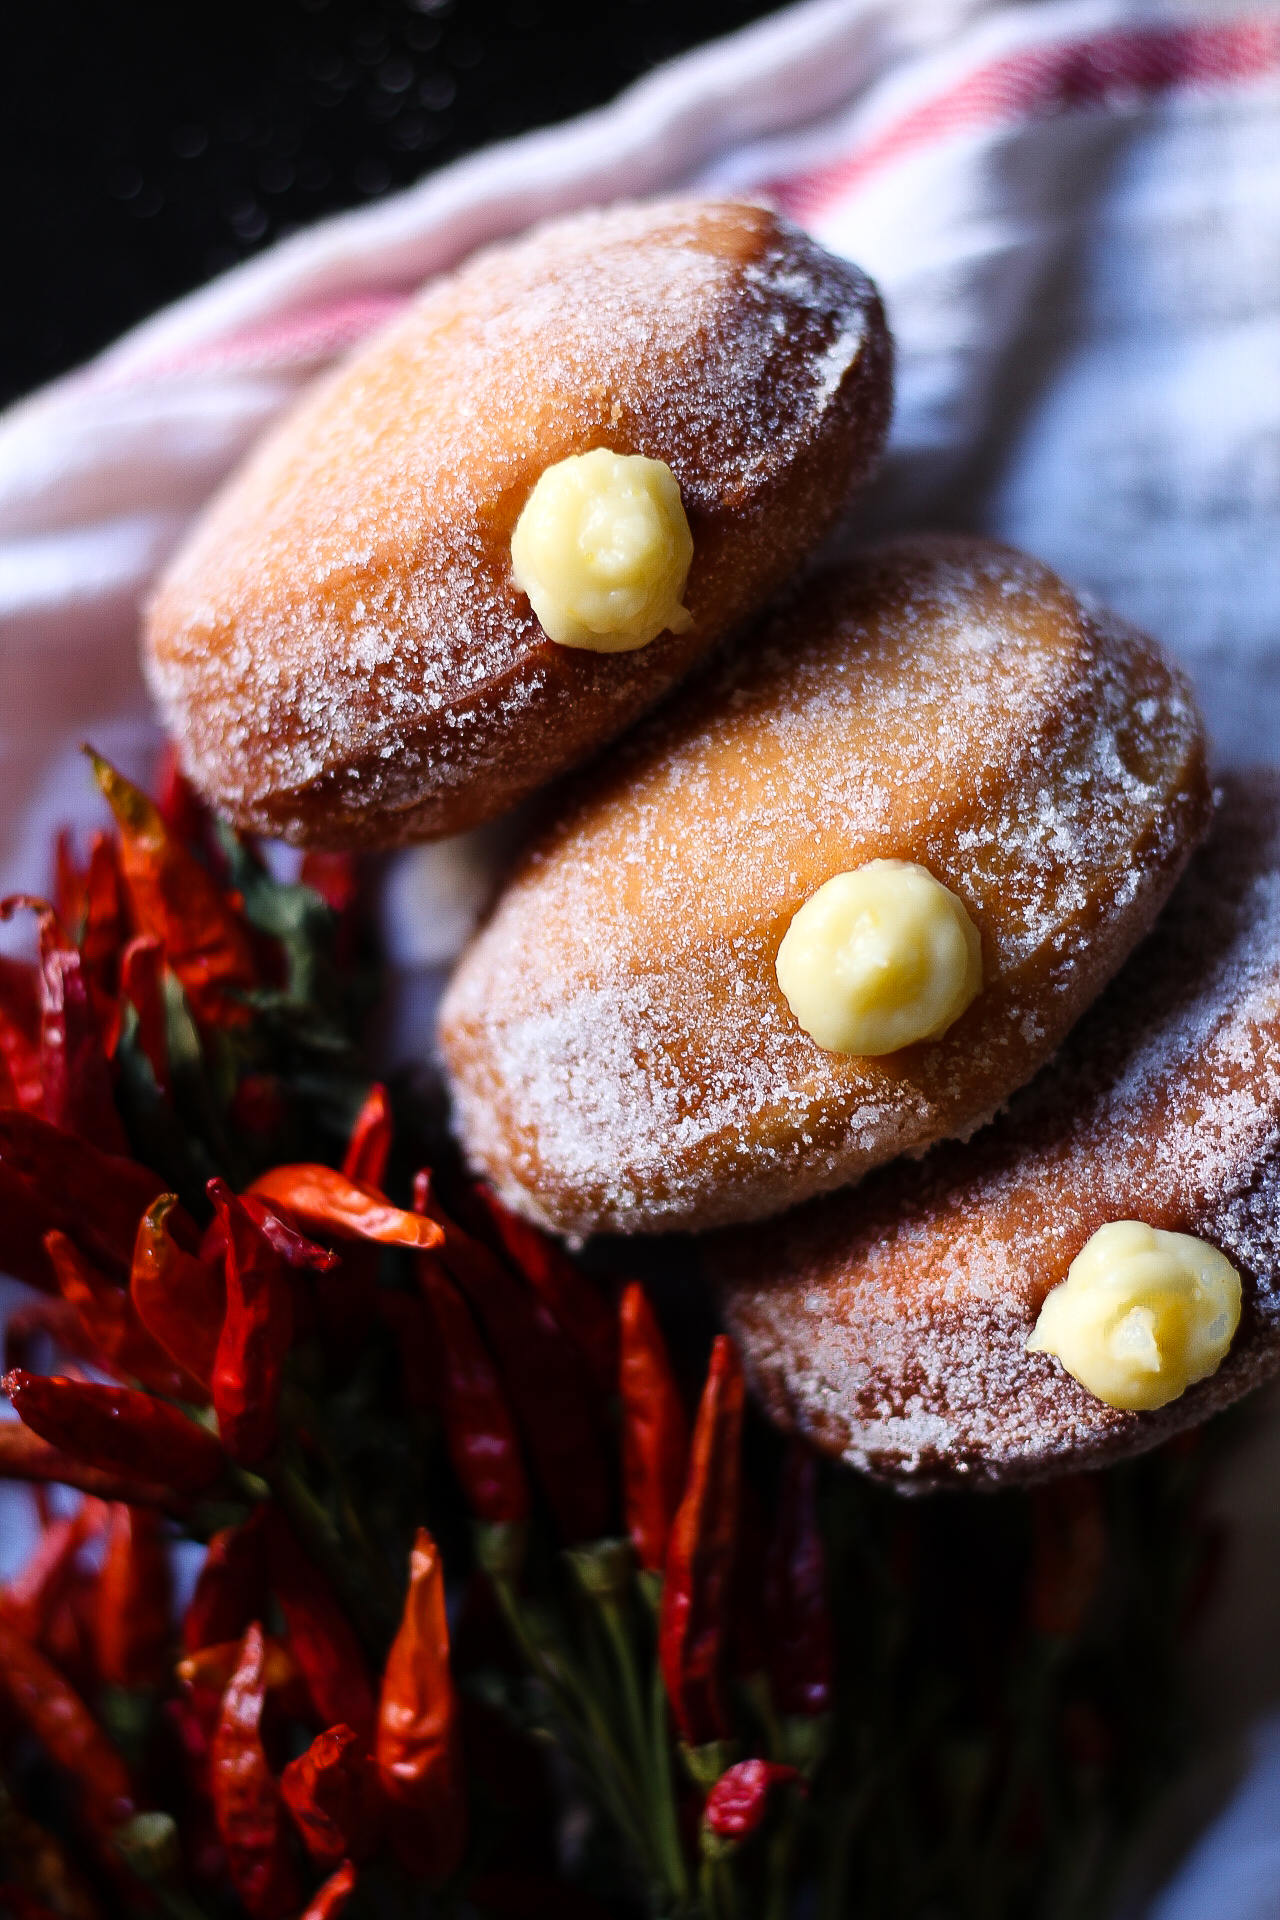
pixel 341 650
pixel 889 1324
pixel 622 1056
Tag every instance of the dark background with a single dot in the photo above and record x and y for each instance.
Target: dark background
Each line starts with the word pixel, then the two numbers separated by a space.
pixel 145 147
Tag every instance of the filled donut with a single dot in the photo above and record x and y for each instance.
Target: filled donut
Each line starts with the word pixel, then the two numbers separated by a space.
pixel 1010 1307
pixel 509 524
pixel 832 905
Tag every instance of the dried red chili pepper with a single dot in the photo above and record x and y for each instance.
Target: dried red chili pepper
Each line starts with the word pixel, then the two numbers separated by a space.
pixel 231 1590
pixel 180 1300
pixel 739 1800
pixel 248 1372
pixel 320 1636
pixel 543 1376
pixel 327 1902
pixel 25 1456
pixel 574 1301
pixel 111 1320
pixel 213 1244
pixel 73 1067
pixel 336 878
pixel 77 1080
pixel 655 1432
pixel 190 1721
pixel 142 985
pixel 293 1247
pixel 95 1198
pixel 179 805
pixel 173 897
pixel 363 1219
pixel 116 1427
pixel 8 1094
pixel 369 1147
pixel 345 1303
pixel 796 1608
pixel 31 1598
pixel 300 1256
pixel 20 1033
pixel 134 1594
pixel 70 886
pixel 102 933
pixel 66 1729
pixel 246 1798
pixel 331 1792
pixel 209 1670
pixel 419 1748
pixel 700 1557
pixel 321 1200
pixel 70 1637
pixel 479 1429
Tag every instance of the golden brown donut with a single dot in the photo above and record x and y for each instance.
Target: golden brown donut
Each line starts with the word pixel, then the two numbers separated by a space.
pixel 621 1055
pixel 889 1325
pixel 340 649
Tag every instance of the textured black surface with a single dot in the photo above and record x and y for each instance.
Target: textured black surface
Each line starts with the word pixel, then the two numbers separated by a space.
pixel 144 147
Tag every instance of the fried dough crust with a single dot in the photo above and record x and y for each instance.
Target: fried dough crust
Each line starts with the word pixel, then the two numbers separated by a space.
pixel 340 649
pixel 621 1054
pixel 889 1325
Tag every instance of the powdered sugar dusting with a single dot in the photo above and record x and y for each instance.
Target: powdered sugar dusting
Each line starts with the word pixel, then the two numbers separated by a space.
pixel 622 1055
pixel 891 1325
pixel 345 616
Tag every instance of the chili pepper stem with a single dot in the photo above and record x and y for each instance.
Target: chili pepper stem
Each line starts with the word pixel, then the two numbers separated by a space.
pixel 652 1749
pixel 603 1767
pixel 719 1890
pixel 314 1526
pixel 780 1849
pixel 625 1659
pixel 298 1409
pixel 177 1904
pixel 631 1789
pixel 664 1796
pixel 649 1580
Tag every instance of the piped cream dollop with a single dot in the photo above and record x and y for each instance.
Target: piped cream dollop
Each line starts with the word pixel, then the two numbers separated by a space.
pixel 1142 1315
pixel 603 550
pixel 880 958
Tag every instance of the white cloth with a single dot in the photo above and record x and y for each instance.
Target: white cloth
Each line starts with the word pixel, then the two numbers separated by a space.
pixel 1073 211
pixel 1233 1870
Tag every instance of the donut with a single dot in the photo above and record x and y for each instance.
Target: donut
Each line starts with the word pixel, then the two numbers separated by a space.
pixel 342 650
pixel 621 1052
pixel 890 1325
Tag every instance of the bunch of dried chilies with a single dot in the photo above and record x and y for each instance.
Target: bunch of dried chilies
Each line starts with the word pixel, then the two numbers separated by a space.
pixel 507 1607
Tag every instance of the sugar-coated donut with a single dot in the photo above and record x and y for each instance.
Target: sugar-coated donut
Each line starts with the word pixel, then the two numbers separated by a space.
pixel 890 1325
pixel 341 650
pixel 622 1055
